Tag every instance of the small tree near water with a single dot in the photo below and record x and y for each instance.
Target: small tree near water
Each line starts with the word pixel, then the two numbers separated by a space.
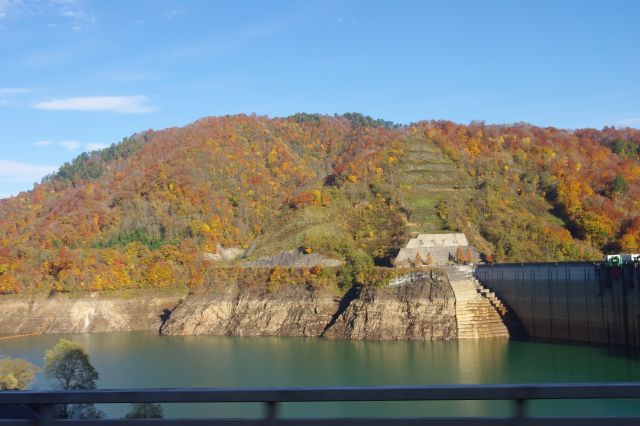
pixel 15 373
pixel 68 364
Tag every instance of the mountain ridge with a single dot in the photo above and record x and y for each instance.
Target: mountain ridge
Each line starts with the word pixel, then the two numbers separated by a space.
pixel 140 213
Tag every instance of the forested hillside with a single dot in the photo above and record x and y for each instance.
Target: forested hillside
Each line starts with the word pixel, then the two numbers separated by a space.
pixel 145 212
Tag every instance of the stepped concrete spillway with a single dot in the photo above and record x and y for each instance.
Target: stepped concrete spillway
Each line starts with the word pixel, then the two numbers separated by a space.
pixel 479 312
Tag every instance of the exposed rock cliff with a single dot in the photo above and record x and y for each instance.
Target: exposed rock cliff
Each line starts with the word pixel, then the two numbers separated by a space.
pixel 293 311
pixel 415 306
pixel 89 314
pixel 422 307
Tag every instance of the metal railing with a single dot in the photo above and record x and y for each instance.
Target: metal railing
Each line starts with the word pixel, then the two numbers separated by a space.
pixel 43 402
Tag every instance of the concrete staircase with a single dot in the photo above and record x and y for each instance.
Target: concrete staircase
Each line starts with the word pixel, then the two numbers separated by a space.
pixel 479 312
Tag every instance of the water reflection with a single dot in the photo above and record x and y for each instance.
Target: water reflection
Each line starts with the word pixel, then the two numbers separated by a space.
pixel 134 360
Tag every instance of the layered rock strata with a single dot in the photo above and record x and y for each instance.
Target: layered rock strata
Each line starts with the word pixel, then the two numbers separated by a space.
pixel 93 313
pixel 414 306
pixel 419 307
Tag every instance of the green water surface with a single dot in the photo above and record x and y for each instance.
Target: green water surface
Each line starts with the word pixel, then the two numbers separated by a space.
pixel 140 360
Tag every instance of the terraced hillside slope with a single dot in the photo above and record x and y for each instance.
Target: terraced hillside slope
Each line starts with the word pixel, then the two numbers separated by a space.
pixel 426 178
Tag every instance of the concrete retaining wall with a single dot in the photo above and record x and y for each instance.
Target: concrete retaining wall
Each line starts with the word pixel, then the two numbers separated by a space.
pixel 580 302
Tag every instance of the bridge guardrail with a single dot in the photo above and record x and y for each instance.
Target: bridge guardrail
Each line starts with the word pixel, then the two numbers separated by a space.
pixel 43 402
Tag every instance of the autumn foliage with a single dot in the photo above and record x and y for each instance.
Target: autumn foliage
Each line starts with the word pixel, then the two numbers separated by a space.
pixel 544 193
pixel 141 213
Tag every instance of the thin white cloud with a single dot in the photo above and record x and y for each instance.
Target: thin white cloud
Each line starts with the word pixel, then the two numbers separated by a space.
pixel 76 15
pixel 15 171
pixel 77 12
pixel 12 90
pixel 11 95
pixel 629 122
pixel 8 7
pixel 96 146
pixel 120 104
pixel 71 145
pixel 174 13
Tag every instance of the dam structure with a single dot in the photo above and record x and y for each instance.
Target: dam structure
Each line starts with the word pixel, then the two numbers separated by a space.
pixel 583 302
pixel 478 311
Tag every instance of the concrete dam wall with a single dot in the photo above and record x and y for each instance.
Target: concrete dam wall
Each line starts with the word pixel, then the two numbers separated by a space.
pixel 578 302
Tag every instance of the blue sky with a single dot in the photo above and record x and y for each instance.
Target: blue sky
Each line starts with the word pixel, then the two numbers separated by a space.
pixel 79 75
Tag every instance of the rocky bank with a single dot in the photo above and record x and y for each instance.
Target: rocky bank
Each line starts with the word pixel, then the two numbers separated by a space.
pixel 93 313
pixel 237 311
pixel 417 306
pixel 421 306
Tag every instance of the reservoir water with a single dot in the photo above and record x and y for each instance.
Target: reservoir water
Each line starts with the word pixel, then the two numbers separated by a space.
pixel 140 360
